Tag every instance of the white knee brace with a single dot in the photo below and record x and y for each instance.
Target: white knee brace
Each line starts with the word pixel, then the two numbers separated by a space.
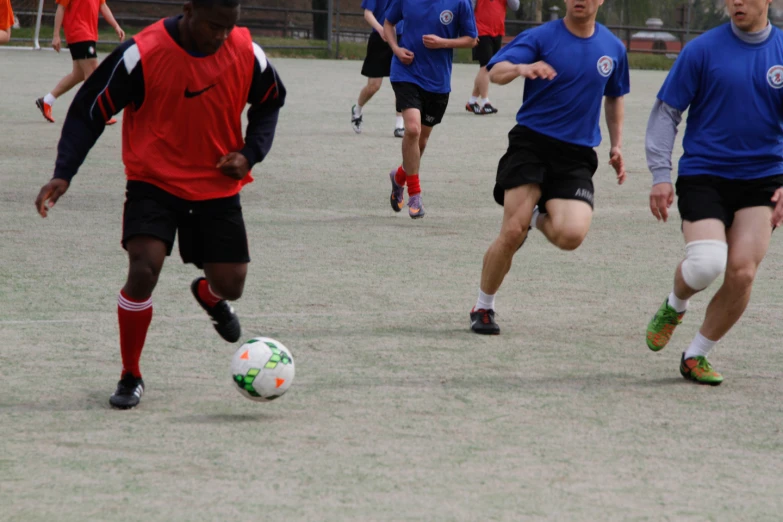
pixel 704 261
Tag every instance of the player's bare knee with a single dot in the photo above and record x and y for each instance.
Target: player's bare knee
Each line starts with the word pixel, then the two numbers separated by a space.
pixel 704 261
pixel 413 131
pixel 512 236
pixel 740 277
pixel 142 277
pixel 229 289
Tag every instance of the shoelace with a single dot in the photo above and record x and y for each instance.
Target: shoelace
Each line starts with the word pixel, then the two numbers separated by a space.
pixel 484 316
pixel 667 317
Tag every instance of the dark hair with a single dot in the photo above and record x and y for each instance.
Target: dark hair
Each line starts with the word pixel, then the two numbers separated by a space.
pixel 215 3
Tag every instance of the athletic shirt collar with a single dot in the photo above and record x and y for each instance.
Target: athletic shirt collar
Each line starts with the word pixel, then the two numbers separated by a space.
pixel 752 38
pixel 172 27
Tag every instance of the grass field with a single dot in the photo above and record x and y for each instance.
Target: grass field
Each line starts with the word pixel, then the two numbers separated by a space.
pixel 397 411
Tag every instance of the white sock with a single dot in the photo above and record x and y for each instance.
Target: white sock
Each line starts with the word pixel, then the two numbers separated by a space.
pixel 399 124
pixel 679 305
pixel 534 219
pixel 482 101
pixel 49 99
pixel 357 110
pixel 485 301
pixel 699 346
pixel 473 100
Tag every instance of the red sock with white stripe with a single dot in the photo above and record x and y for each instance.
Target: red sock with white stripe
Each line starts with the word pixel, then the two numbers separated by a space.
pixel 134 317
pixel 206 293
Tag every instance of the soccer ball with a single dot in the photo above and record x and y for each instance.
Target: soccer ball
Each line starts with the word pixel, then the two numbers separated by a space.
pixel 262 369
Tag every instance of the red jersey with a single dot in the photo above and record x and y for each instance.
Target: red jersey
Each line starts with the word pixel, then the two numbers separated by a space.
pixel 81 20
pixel 491 17
pixel 191 115
pixel 6 15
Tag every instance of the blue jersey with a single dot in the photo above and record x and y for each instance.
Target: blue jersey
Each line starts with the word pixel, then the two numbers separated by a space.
pixel 735 94
pixel 431 68
pixel 378 8
pixel 568 108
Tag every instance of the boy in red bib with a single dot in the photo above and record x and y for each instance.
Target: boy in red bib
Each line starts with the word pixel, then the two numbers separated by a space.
pixel 184 83
pixel 6 21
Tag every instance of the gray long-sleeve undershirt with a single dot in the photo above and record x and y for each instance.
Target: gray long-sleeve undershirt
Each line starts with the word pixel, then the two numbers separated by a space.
pixel 664 119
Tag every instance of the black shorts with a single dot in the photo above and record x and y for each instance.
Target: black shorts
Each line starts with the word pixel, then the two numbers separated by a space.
pixel 210 231
pixel 488 46
pixel 563 170
pixel 705 197
pixel 82 50
pixel 377 62
pixel 432 105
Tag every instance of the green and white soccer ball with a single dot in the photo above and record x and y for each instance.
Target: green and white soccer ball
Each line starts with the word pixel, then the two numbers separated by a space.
pixel 262 369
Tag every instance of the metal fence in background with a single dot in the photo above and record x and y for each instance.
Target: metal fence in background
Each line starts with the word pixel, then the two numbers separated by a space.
pixel 649 26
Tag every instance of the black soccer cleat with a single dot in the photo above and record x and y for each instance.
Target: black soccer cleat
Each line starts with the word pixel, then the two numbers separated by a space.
pixel 222 314
pixel 128 393
pixel 483 322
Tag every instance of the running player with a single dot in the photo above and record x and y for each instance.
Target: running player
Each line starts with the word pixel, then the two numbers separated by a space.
pixel 377 63
pixel 544 180
pixel 184 82
pixel 730 178
pixel 421 78
pixel 491 25
pixel 79 19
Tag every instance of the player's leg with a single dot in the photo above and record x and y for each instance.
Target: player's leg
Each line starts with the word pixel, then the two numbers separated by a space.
pixel 517 211
pixel 69 81
pixel 399 126
pixel 748 241
pixel 409 103
pixel 369 90
pixel 5 36
pixel 701 204
pixel 214 238
pixel 565 223
pixel 486 107
pixel 481 54
pixel 148 231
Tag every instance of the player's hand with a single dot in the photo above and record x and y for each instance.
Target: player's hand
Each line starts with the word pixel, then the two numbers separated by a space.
pixel 537 70
pixel 432 41
pixel 234 165
pixel 56 43
pixel 661 198
pixel 404 55
pixel 777 212
pixel 49 194
pixel 120 33
pixel 616 161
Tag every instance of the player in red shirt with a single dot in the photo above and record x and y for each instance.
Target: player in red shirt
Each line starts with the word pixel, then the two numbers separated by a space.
pixel 6 21
pixel 184 83
pixel 491 25
pixel 79 19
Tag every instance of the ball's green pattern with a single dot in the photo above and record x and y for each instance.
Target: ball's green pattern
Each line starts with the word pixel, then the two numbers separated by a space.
pixel 246 381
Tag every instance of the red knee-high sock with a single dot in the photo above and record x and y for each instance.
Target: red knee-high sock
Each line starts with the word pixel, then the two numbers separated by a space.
pixel 413 185
pixel 135 317
pixel 400 176
pixel 206 293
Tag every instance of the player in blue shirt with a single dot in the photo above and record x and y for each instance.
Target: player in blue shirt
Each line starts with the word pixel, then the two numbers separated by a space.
pixel 377 63
pixel 730 177
pixel 544 180
pixel 421 78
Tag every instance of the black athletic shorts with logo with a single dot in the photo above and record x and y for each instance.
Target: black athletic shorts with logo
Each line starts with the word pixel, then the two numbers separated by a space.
pixel 82 50
pixel 705 197
pixel 563 170
pixel 432 105
pixel 377 61
pixel 487 47
pixel 210 231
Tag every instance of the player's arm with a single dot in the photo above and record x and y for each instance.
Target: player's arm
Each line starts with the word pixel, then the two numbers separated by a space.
pixel 659 146
pixel 59 15
pixel 116 83
pixel 392 18
pixel 520 58
pixel 109 17
pixel 266 97
pixel 370 18
pixel 614 107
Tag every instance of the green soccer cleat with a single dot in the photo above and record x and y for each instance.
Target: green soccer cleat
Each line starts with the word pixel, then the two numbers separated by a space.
pixel 662 325
pixel 698 369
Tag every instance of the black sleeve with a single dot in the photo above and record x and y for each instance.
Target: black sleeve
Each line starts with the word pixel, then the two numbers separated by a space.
pixel 267 95
pixel 105 93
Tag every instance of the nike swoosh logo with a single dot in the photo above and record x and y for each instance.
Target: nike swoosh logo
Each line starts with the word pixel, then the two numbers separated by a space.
pixel 193 94
pixel 473 323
